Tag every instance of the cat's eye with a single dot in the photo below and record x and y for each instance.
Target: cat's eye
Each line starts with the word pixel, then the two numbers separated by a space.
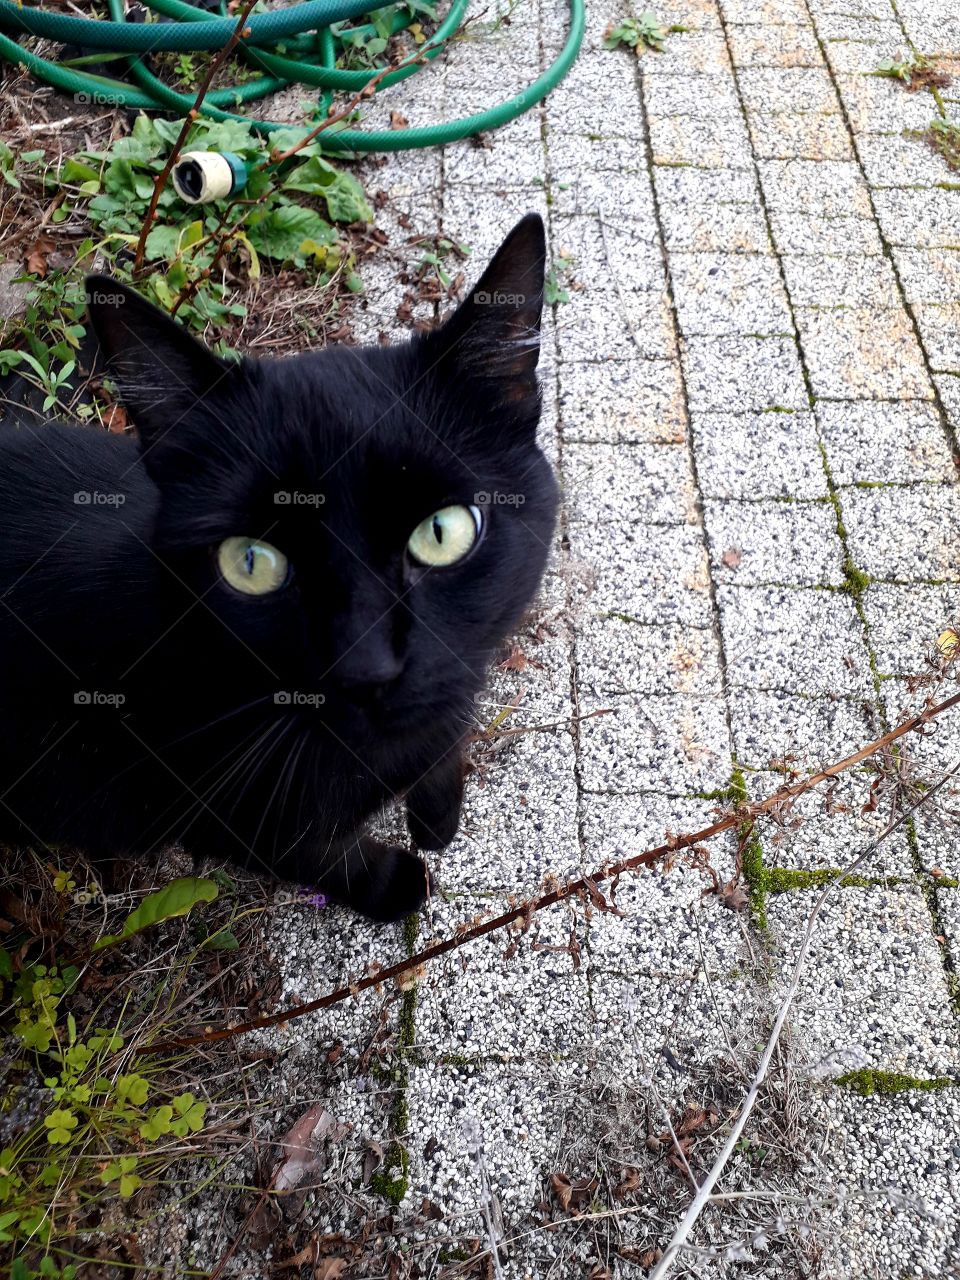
pixel 254 567
pixel 445 537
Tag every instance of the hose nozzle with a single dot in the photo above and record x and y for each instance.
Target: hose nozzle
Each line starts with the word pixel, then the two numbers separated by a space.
pixel 200 177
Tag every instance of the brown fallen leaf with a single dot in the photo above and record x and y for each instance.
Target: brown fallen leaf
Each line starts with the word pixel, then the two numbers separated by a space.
pixel 734 898
pixel 732 557
pixel 329 1268
pixel 35 258
pixel 398 120
pixel 303 1153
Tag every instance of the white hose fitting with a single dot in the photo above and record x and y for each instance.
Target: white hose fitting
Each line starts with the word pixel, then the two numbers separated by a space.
pixel 200 177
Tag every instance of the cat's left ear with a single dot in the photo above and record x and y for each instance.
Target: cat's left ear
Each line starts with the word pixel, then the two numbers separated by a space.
pixel 494 334
pixel 162 372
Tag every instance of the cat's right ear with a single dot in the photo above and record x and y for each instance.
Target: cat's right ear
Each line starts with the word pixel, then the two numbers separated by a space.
pixel 161 371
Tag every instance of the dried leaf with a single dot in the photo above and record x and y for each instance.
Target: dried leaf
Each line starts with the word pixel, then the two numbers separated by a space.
pixel 732 557
pixel 35 259
pixel 562 1188
pixel 734 898
pixel 329 1268
pixel 398 120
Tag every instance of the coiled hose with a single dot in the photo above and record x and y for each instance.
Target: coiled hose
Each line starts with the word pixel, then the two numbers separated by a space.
pixel 297 45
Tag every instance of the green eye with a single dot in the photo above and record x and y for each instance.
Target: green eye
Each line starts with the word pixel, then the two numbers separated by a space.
pixel 445 537
pixel 255 568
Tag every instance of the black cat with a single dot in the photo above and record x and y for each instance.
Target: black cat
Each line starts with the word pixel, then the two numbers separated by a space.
pixel 250 629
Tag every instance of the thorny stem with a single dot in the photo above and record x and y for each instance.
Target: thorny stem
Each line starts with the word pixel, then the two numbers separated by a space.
pixel 703 1196
pixel 581 887
pixel 272 162
pixel 216 63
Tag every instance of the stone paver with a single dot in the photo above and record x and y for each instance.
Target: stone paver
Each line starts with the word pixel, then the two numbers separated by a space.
pixel 759 545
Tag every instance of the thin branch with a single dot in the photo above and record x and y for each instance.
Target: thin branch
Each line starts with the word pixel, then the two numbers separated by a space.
pixel 582 887
pixel 703 1196
pixel 216 63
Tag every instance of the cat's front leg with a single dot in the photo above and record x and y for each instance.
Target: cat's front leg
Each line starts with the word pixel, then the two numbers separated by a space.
pixel 434 802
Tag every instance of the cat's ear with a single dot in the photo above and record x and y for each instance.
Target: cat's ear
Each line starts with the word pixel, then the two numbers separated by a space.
pixel 161 371
pixel 495 332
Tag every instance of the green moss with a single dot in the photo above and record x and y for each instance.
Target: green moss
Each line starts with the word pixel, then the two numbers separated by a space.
pixel 946 882
pixel 621 617
pixel 777 408
pixel 856 580
pixel 868 1082
pixel 783 880
pixel 411 931
pixel 751 857
pixel 390 1187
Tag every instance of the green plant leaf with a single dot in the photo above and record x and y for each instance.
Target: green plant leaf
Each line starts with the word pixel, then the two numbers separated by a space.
pixel 176 899
pixel 279 233
pixel 224 940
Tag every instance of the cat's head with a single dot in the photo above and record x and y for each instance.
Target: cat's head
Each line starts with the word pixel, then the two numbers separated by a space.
pixel 364 523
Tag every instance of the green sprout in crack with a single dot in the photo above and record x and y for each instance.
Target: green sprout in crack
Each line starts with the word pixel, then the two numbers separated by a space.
pixel 644 32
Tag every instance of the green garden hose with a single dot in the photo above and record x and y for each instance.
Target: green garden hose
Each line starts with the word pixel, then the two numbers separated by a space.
pixel 296 45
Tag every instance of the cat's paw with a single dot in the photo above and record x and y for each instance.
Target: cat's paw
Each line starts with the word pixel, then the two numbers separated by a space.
pixel 395 882
pixel 435 830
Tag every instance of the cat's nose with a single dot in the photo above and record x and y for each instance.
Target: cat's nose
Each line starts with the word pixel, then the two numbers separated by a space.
pixel 366 671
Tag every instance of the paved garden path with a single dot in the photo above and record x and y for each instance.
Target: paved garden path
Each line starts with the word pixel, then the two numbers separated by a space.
pixel 752 398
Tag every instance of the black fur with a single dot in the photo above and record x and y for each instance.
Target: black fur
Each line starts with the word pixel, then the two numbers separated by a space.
pixel 125 601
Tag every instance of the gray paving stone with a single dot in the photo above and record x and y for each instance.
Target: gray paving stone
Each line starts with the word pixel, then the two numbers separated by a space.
pixel 575 106
pixel 655 573
pixel 920 219
pixel 603 482
pixel 891 1006
pixel 940 333
pixel 766 12
pixel 616 655
pixel 884 443
pixel 512 1113
pixel 948 388
pixel 623 199
pixel 826 828
pixel 710 142
pixel 520 817
pixel 690 53
pixel 827 188
pixel 722 294
pixel 770 455
pixel 479 1003
pixel 719 228
pixel 928 275
pixel 707 96
pixel 892 161
pixel 800 135
pixel 862 353
pixel 798 641
pixel 698 188
pixel 905 621
pixel 782 46
pixel 805 734
pixel 615 325
pixel 632 401
pixel 901 1216
pixel 482 218
pixel 841 281
pixel 807 233
pixel 774 89
pixel 861 53
pixel 790 543
pixel 905 533
pixel 600 255
pixel 741 374
pixel 673 743
pixel 499 164
pixel 879 105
